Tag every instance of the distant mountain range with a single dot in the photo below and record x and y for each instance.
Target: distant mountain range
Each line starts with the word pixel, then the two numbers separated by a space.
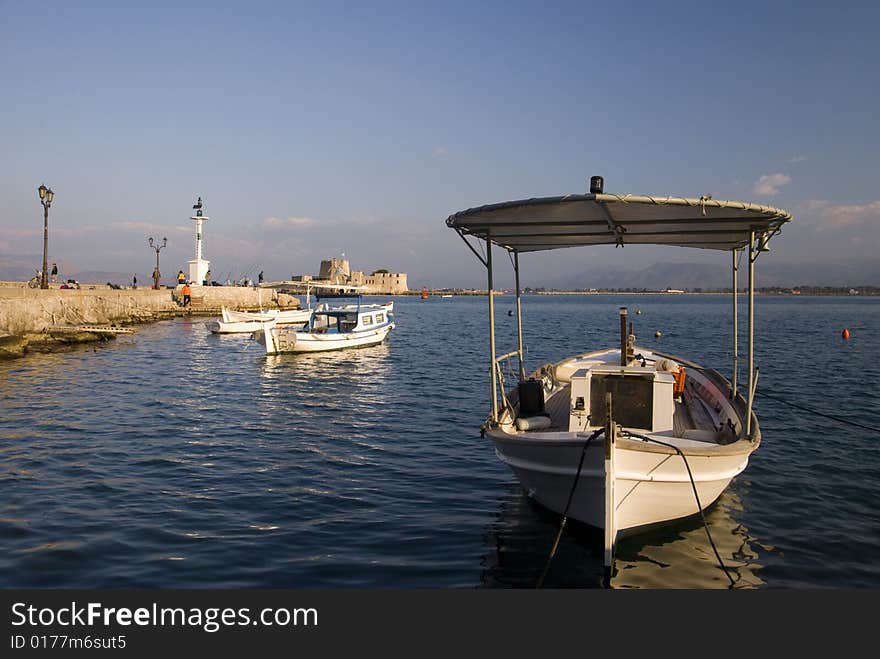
pixel 22 268
pixel 658 276
pixel 710 276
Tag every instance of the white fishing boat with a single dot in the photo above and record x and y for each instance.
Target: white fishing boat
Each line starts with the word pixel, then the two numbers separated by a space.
pixel 623 437
pixel 280 315
pixel 241 322
pixel 348 326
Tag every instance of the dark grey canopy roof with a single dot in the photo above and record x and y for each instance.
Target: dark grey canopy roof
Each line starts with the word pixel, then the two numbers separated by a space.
pixel 607 219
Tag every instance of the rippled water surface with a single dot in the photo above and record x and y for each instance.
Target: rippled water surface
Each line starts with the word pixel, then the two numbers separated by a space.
pixel 175 458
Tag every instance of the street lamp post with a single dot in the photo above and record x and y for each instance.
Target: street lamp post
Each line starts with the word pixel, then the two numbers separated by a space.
pixel 155 245
pixel 46 196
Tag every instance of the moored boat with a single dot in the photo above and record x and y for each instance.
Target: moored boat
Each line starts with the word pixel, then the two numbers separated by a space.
pixel 241 322
pixel 621 438
pixel 348 326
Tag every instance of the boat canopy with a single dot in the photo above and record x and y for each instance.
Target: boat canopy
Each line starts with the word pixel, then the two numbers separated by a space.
pixel 530 225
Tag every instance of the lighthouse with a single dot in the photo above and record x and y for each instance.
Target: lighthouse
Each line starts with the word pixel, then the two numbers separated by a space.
pixel 198 267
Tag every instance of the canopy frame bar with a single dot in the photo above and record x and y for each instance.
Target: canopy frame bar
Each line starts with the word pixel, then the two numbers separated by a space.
pixel 615 219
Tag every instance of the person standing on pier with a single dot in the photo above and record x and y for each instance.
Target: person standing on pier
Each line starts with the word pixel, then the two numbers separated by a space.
pixel 260 277
pixel 134 281
pixel 54 273
pixel 181 278
pixel 186 291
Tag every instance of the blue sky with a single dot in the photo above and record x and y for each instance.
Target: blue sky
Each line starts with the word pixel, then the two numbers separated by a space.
pixel 313 129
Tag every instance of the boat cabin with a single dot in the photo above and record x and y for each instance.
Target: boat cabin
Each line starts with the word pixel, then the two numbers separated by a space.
pixel 347 319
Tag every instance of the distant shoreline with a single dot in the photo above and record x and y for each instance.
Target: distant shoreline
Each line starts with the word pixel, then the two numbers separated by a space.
pixel 804 292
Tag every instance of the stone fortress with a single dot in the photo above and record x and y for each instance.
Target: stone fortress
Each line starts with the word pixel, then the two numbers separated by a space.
pixel 380 282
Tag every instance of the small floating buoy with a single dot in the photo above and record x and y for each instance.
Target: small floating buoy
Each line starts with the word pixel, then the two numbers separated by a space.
pixel 657 334
pixel 510 312
pixel 845 333
pixel 639 312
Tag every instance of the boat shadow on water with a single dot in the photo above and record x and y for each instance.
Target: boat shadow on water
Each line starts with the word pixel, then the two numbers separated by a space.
pixel 675 555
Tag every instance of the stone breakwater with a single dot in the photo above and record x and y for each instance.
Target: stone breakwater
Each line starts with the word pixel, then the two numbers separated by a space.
pixel 43 320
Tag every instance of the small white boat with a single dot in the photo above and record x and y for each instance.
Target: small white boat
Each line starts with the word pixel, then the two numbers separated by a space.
pixel 348 326
pixel 241 322
pixel 281 315
pixel 622 438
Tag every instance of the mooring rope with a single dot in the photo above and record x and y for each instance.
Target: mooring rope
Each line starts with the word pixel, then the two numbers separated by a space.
pixel 577 477
pixel 696 496
pixel 817 413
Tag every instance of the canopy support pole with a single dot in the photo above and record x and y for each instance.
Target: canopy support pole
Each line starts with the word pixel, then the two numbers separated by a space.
pixel 519 336
pixel 610 526
pixel 735 326
pixel 491 329
pixel 751 331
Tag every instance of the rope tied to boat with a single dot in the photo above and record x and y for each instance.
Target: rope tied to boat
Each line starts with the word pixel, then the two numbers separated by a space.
pixel 817 413
pixel 577 477
pixel 645 438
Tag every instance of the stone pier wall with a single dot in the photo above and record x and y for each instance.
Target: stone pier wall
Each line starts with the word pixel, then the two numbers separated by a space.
pixel 212 298
pixel 30 314
pixel 38 310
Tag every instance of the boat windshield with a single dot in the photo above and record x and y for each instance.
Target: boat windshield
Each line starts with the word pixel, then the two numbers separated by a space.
pixel 340 321
pixel 347 322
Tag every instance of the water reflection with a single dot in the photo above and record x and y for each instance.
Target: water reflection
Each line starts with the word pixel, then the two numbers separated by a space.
pixel 343 382
pixel 521 538
pixel 371 361
pixel 672 556
pixel 680 556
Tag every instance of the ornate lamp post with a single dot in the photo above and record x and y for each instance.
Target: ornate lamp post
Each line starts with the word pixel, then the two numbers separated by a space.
pixel 46 196
pixel 155 245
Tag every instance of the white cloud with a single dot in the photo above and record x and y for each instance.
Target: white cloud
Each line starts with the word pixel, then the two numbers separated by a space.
pixel 829 216
pixel 279 223
pixel 769 184
pixel 851 214
pixel 814 206
pixel 794 159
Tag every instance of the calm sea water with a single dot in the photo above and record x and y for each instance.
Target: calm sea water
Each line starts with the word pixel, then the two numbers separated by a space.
pixel 175 458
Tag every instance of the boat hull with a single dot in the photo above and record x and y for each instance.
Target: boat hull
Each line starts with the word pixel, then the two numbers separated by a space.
pixel 651 486
pixel 279 340
pixel 233 327
pixel 243 322
pixel 279 315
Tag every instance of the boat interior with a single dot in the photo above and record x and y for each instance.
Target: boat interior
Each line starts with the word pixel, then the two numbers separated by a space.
pixel 653 394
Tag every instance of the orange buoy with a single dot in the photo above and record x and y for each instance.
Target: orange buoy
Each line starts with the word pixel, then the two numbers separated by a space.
pixel 845 333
